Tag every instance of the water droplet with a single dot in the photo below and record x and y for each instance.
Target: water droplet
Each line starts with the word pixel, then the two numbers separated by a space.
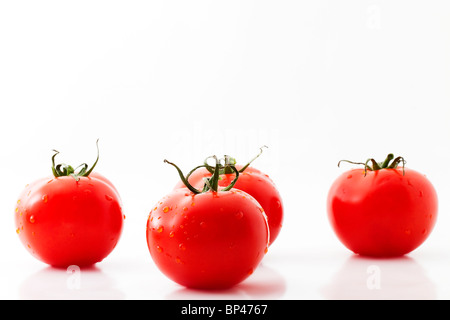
pixel 193 204
pixel 182 246
pixel 45 198
pixel 17 209
pixel 32 219
pixel 349 176
pixel 166 209
pixel 250 272
pixel 18 230
pixel 203 224
pixel 159 249
pixel 109 198
pixel 420 193
pixel 185 209
pixel 266 250
pixel 424 231
pixel 177 260
pixel 160 229
pixel 18 201
pixel 238 215
pixel 407 232
pixel 171 234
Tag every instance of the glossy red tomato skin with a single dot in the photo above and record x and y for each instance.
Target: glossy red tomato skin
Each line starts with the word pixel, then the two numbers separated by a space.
pixel 212 240
pixel 255 183
pixel 382 214
pixel 65 222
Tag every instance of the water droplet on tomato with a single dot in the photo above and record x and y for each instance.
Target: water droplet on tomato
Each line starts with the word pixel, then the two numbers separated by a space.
pixel 160 229
pixel 177 260
pixel 166 209
pixel 349 176
pixel 32 219
pixel 420 193
pixel 238 215
pixel 266 250
pixel 45 198
pixel 424 231
pixel 203 224
pixel 250 272
pixel 18 230
pixel 171 234
pixel 408 232
pixel 182 246
pixel 108 197
pixel 159 249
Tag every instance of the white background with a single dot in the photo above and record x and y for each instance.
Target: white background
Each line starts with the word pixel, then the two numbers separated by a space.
pixel 316 81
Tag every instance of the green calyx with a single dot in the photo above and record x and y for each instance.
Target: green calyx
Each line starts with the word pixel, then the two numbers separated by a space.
pixel 211 183
pixel 226 163
pixel 63 170
pixel 389 163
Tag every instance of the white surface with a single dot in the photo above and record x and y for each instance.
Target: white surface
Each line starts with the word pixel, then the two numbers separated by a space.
pixel 315 81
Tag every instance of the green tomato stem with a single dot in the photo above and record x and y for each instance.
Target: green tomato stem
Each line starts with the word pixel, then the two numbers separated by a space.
pixel 210 183
pixel 63 170
pixel 386 164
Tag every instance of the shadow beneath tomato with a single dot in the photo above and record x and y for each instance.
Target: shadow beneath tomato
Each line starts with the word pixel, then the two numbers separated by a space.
pixel 72 283
pixel 362 278
pixel 264 283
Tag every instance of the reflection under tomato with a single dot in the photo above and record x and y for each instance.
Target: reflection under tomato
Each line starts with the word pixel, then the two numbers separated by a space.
pixel 362 278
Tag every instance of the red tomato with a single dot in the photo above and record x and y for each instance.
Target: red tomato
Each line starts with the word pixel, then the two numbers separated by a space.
pixel 253 182
pixel 208 240
pixel 382 212
pixel 63 221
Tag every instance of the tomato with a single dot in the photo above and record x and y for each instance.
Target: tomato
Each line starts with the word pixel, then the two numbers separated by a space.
pixel 253 182
pixel 384 210
pixel 208 240
pixel 69 220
